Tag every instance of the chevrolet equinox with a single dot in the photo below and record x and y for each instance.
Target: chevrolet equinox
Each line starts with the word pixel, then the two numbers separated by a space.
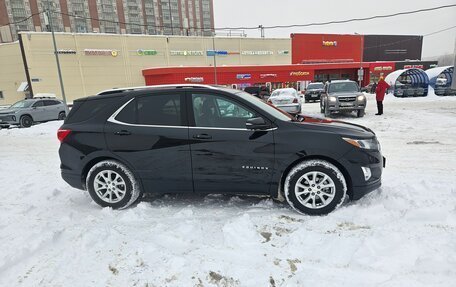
pixel 123 143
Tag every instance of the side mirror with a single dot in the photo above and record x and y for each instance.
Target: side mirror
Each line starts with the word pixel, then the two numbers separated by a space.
pixel 257 124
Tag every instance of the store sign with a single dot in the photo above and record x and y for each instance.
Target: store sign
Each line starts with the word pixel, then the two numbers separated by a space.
pixel 413 66
pixel 330 43
pixel 283 52
pixel 212 53
pixel 142 52
pixel 66 52
pixel 186 53
pixel 257 53
pixel 299 73
pixel 194 79
pixel 100 52
pixel 262 76
pixel 383 68
pixel 243 76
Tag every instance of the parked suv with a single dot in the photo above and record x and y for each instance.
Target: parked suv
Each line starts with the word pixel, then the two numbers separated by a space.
pixel 343 96
pixel 123 143
pixel 24 113
pixel 314 91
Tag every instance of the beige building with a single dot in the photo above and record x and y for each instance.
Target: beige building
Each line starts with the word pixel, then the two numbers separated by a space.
pixel 94 62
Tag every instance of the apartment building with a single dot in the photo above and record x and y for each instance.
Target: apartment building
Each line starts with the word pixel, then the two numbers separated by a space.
pixel 153 17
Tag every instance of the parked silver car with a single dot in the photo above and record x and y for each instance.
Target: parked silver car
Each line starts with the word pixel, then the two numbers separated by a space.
pixel 287 100
pixel 342 96
pixel 26 112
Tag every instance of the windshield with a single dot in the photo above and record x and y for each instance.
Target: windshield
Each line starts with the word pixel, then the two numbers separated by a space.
pixel 285 92
pixel 273 111
pixel 343 87
pixel 315 86
pixel 21 104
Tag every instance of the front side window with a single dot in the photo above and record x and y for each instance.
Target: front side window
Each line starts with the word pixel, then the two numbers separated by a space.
pixel 219 112
pixel 21 104
pixel 38 104
pixel 163 110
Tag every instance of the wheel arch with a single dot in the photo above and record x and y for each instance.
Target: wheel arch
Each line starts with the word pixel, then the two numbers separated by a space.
pixel 94 161
pixel 26 115
pixel 314 157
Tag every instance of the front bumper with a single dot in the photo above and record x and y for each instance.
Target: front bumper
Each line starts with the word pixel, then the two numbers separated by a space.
pixel 346 106
pixel 292 109
pixel 312 96
pixel 6 120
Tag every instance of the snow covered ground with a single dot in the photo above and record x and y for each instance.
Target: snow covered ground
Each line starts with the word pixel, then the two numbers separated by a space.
pixel 403 234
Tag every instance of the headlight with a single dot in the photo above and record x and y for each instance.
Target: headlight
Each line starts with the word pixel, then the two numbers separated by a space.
pixel 332 99
pixel 364 144
pixel 361 98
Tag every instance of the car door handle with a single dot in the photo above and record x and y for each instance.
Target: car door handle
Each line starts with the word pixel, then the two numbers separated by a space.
pixel 122 133
pixel 202 137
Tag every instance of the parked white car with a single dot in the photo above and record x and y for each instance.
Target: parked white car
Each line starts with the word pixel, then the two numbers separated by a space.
pixel 287 100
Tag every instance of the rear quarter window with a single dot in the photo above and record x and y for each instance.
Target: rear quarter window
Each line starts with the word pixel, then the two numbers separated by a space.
pixel 85 109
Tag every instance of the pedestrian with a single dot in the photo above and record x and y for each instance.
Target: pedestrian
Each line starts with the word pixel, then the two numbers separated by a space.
pixel 380 91
pixel 374 86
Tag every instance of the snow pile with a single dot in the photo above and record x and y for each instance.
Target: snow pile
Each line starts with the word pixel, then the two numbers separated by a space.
pixel 401 235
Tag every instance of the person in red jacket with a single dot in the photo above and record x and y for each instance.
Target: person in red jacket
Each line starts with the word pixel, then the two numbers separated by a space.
pixel 380 91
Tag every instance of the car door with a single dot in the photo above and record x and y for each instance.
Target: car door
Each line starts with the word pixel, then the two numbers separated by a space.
pixel 227 157
pixel 51 108
pixel 150 132
pixel 38 111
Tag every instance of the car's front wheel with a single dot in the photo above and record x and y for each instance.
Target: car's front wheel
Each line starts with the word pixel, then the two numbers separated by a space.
pixel 360 113
pixel 315 187
pixel 112 184
pixel 25 121
pixel 62 116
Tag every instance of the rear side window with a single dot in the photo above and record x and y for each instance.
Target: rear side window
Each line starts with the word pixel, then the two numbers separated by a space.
pixel 162 110
pixel 84 110
pixel 51 103
pixel 38 104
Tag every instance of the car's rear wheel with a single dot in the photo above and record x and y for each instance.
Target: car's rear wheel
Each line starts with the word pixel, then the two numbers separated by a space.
pixel 360 113
pixel 315 187
pixel 62 116
pixel 112 184
pixel 25 121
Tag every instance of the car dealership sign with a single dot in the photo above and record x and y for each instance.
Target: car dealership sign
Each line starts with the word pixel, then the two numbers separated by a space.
pixel 299 73
pixel 194 79
pixel 66 52
pixel 243 76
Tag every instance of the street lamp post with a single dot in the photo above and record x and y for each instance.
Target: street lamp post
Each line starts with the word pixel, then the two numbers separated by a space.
pixel 215 61
pixel 49 17
pixel 360 71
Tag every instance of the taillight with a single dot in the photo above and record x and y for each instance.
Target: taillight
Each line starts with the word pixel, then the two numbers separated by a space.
pixel 62 134
pixel 295 101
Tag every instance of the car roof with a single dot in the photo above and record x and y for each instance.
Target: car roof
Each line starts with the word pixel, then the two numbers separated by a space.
pixel 154 87
pixel 341 81
pixel 286 90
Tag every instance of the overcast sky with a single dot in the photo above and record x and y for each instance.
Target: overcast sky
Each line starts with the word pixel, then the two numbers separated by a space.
pixel 229 13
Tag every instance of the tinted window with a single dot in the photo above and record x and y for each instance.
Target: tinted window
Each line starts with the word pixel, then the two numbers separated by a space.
pixel 343 87
pixel 159 110
pixel 38 104
pixel 84 110
pixel 22 104
pixel 218 111
pixel 163 110
pixel 51 102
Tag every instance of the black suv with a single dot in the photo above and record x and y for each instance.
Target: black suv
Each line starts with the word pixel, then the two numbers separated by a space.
pixel 123 143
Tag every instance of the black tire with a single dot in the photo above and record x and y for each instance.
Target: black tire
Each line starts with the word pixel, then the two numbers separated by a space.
pixel 130 186
pixel 25 121
pixel 360 113
pixel 62 116
pixel 322 110
pixel 333 196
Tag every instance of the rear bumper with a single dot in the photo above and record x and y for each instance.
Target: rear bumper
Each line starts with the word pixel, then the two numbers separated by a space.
pixel 292 109
pixel 72 179
pixel 312 96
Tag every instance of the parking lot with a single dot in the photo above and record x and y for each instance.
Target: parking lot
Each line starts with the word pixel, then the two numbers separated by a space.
pixel 402 234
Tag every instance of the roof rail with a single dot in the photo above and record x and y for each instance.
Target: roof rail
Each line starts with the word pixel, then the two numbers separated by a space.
pixel 121 90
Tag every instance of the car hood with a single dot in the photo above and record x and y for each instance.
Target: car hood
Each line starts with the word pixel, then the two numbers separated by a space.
pixel 346 94
pixel 335 126
pixel 7 111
